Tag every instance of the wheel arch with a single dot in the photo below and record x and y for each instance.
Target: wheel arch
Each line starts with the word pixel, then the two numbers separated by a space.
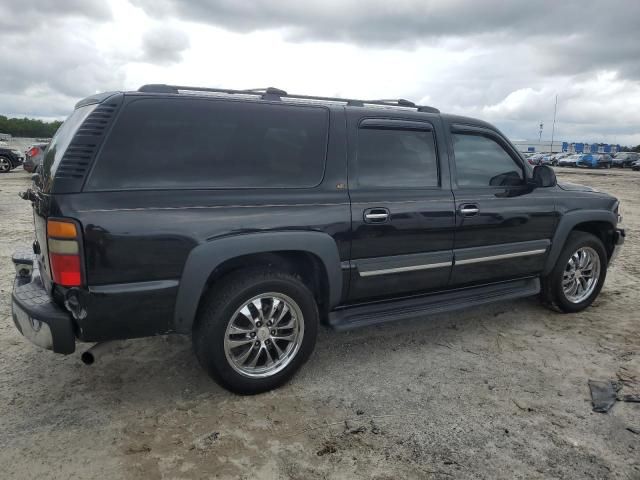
pixel 600 223
pixel 312 255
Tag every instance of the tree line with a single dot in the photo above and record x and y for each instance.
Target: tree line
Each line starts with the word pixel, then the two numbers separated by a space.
pixel 28 127
pixel 631 149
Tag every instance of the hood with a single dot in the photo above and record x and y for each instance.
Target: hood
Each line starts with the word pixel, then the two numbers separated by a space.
pixel 574 187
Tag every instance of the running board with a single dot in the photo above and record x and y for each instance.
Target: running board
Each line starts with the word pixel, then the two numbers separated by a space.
pixel 388 311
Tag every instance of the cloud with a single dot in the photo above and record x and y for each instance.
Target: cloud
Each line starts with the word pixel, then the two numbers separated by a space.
pixel 29 15
pixel 496 60
pixel 56 61
pixel 572 36
pixel 164 45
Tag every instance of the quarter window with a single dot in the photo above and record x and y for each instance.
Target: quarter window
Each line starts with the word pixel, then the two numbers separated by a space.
pixel 396 158
pixel 202 143
pixel 482 162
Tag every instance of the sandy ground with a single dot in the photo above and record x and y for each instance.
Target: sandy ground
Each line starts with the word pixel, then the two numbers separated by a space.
pixel 497 392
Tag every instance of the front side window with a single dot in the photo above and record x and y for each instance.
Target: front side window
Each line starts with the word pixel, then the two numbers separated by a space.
pixel 389 158
pixel 482 162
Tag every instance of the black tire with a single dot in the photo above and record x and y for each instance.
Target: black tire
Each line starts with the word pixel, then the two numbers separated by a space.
pixel 217 311
pixel 552 293
pixel 6 165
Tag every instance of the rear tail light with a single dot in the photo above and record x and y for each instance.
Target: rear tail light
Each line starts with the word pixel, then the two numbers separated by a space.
pixel 33 151
pixel 63 239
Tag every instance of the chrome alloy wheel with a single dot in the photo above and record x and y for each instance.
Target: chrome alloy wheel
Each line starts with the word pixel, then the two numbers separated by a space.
pixel 581 275
pixel 264 335
pixel 5 164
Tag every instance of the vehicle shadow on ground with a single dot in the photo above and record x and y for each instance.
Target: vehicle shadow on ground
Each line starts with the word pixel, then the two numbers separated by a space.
pixel 154 370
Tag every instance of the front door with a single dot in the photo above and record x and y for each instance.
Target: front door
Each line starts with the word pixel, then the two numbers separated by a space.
pixel 503 225
pixel 401 204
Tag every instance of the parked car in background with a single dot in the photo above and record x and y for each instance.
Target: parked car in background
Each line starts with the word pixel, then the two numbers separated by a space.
pixel 569 160
pixel 559 156
pixel 595 160
pixel 546 160
pixel 10 158
pixel 625 159
pixel 535 159
pixel 34 156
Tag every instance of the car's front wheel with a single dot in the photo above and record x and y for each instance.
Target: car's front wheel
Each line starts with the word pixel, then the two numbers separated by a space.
pixel 256 331
pixel 579 274
pixel 5 165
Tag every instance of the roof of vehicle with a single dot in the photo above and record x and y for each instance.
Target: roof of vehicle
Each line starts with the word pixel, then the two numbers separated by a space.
pixel 275 94
pixel 272 94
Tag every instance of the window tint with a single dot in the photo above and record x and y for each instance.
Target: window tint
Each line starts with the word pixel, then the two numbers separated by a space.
pixel 482 162
pixel 62 138
pixel 396 158
pixel 195 143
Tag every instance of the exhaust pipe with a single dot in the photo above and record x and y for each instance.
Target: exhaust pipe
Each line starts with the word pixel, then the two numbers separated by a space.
pixel 97 351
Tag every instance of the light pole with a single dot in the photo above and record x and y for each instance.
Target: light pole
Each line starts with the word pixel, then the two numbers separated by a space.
pixel 553 128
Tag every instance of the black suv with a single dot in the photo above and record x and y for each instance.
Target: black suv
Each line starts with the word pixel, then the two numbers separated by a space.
pixel 247 218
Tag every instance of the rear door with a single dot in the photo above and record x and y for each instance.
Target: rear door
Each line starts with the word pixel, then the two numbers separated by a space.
pixel 401 204
pixel 503 225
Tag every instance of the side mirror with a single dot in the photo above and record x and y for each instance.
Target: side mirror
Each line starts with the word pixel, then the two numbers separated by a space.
pixel 544 176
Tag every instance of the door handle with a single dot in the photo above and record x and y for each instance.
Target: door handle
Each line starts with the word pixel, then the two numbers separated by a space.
pixel 469 209
pixel 376 215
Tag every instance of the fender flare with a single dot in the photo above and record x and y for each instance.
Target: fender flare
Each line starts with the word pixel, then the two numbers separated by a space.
pixel 206 257
pixel 566 224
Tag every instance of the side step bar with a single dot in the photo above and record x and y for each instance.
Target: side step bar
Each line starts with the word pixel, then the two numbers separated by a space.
pixel 387 311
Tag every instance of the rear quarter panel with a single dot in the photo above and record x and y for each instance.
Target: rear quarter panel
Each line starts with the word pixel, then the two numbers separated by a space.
pixel 139 239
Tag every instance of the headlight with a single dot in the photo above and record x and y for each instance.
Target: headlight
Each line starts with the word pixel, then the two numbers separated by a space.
pixel 17 152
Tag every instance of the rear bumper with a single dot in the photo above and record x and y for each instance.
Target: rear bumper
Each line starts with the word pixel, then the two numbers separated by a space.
pixel 618 241
pixel 36 316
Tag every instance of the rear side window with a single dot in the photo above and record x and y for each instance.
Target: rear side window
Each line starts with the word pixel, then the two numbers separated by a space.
pixel 396 158
pixel 62 138
pixel 195 143
pixel 482 162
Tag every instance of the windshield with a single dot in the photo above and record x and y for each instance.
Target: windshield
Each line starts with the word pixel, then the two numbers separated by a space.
pixel 61 140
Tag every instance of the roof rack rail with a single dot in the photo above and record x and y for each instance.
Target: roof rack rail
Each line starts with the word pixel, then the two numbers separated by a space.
pixel 271 93
pixel 401 102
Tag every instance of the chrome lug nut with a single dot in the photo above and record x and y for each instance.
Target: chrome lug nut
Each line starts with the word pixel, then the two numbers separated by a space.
pixel 257 344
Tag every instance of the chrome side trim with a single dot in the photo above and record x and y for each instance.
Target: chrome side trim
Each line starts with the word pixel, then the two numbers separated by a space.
pixel 500 257
pixel 386 271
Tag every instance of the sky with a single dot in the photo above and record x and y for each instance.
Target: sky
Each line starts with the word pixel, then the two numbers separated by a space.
pixel 503 61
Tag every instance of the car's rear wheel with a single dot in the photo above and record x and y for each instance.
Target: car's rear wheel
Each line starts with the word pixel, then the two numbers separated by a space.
pixel 579 274
pixel 256 331
pixel 5 165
